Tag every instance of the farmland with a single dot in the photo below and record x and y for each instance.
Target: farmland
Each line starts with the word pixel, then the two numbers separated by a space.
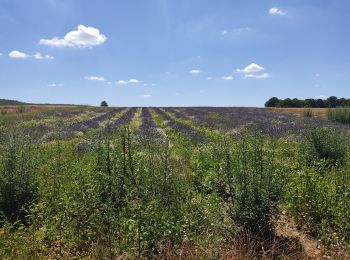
pixel 172 183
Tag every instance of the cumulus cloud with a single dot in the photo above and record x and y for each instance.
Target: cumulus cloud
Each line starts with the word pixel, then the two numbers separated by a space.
pixel 258 76
pixel 277 11
pixel 95 78
pixel 227 77
pixel 194 72
pixel 82 37
pixel 18 55
pixel 251 68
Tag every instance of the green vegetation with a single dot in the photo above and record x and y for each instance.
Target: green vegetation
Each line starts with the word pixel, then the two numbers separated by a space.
pixel 308 112
pixel 7 102
pixel 330 102
pixel 339 114
pixel 106 195
pixel 104 104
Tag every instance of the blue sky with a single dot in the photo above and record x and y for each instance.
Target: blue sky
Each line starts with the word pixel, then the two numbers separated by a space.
pixel 173 52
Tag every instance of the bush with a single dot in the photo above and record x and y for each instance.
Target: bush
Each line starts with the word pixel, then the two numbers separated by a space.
pixel 257 184
pixel 17 184
pixel 324 143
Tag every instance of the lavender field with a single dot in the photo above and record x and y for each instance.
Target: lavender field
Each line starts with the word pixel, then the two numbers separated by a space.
pixel 168 183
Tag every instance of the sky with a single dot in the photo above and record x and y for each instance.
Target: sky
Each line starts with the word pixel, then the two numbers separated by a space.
pixel 173 52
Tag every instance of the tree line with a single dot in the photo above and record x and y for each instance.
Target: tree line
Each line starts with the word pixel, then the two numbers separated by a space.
pixel 330 102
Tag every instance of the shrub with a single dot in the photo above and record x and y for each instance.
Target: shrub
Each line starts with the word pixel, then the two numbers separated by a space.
pixel 17 184
pixel 324 143
pixel 257 184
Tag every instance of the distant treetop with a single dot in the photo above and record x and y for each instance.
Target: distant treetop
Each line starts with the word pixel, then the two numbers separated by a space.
pixel 7 102
pixel 104 104
pixel 330 102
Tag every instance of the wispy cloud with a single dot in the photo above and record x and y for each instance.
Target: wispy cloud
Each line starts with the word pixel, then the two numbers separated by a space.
pixel 147 95
pixel 258 76
pixel 83 36
pixel 130 81
pixel 227 77
pixel 54 85
pixel 321 97
pixel 209 78
pixel 95 78
pixel 21 55
pixel 195 71
pixel 39 56
pixel 277 11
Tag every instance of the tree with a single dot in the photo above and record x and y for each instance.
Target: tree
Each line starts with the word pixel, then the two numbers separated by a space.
pixel 104 104
pixel 331 101
pixel 272 102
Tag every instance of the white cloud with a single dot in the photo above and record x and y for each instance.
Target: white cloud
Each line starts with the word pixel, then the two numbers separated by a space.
pixel 130 81
pixel 258 76
pixel 0 54
pixel 133 81
pixel 227 77
pixel 321 97
pixel 121 82
pixel 147 95
pixel 83 37
pixel 224 32
pixel 39 56
pixel 209 78
pixel 95 78
pixel 18 55
pixel 251 68
pixel 277 11
pixel 194 72
pixel 49 57
pixel 317 75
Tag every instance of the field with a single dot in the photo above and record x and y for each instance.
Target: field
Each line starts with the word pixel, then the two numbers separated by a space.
pixel 172 183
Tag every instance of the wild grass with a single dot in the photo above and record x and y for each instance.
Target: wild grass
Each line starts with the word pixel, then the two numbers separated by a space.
pixel 339 114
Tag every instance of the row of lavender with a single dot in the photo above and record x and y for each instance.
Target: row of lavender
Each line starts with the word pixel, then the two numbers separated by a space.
pixel 149 132
pixel 184 129
pixel 273 123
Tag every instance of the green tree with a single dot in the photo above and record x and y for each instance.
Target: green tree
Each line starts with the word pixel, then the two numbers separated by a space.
pixel 272 102
pixel 104 104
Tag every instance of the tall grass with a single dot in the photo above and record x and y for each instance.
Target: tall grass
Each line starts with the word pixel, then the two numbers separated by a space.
pixel 339 114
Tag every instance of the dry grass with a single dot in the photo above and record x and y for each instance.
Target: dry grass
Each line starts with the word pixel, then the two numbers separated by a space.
pixel 320 112
pixel 32 109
